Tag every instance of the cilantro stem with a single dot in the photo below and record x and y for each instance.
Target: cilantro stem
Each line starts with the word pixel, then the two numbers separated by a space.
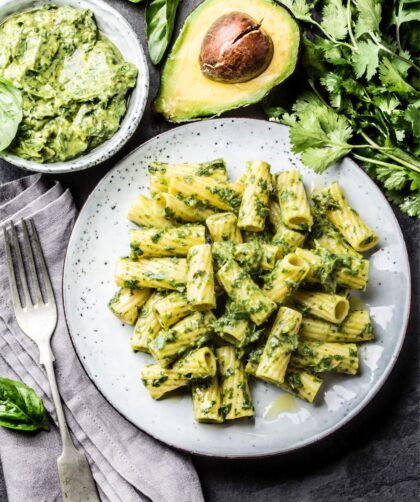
pixel 332 39
pixel 377 162
pixel 395 55
pixel 349 27
pixel 372 144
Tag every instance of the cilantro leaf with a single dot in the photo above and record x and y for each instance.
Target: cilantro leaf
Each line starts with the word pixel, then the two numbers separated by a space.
pixel 405 15
pixel 415 180
pixel 366 60
pixel 391 78
pixel 411 205
pixel 412 115
pixel 299 8
pixel 392 180
pixel 369 17
pixel 321 135
pixel 334 19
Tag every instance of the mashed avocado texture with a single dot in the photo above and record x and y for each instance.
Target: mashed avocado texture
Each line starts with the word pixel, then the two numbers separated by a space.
pixel 73 80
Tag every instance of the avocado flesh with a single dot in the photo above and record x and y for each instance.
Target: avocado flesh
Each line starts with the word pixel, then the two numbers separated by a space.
pixel 186 94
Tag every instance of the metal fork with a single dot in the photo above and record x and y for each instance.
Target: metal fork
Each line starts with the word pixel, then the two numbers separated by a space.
pixel 38 319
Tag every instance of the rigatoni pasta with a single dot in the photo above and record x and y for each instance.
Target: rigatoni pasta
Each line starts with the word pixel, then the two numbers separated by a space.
pixel 224 227
pixel 287 240
pixel 332 308
pixel 236 401
pixel 200 279
pixel 281 342
pixel 276 270
pixel 186 335
pixel 346 219
pixel 226 196
pixel 185 210
pixel 294 205
pixel 142 212
pixel 207 401
pixel 245 293
pixel 166 273
pixel 172 308
pixel 321 357
pixel 160 172
pixel 254 206
pixel 147 326
pixel 357 327
pixel 285 278
pixel 157 242
pixel 126 303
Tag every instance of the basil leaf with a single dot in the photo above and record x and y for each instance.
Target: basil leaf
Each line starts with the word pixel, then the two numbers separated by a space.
pixel 160 20
pixel 20 406
pixel 135 1
pixel 10 112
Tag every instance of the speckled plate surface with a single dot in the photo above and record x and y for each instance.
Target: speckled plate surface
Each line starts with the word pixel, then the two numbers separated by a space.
pixel 281 424
pixel 112 24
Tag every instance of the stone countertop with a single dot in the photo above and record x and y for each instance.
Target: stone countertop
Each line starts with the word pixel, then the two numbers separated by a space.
pixel 373 458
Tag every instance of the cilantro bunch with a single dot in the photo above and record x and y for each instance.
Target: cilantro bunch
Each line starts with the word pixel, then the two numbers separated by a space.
pixel 361 94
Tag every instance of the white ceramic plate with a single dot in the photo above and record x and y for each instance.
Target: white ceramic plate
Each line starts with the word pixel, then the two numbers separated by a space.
pixel 118 30
pixel 102 342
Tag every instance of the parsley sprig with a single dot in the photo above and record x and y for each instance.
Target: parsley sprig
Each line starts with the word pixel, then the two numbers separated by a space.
pixel 362 91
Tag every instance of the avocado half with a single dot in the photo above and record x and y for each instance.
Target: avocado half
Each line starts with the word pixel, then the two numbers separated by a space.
pixel 187 94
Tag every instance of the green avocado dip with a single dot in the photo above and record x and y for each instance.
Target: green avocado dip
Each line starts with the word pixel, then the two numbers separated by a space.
pixel 74 82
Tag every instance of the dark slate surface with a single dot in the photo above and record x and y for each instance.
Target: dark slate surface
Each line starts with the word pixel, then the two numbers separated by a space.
pixel 373 458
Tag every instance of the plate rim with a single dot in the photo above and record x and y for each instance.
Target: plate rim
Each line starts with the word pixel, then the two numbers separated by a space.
pixel 374 389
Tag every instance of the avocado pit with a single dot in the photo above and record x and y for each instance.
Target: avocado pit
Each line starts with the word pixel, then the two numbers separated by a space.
pixel 235 49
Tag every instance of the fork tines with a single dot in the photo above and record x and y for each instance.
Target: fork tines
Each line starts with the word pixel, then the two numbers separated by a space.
pixel 30 267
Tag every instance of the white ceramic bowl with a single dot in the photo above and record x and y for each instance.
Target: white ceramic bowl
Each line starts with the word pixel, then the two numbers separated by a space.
pixel 112 24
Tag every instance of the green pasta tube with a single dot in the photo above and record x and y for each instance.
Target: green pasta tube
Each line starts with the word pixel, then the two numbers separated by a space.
pixel 224 227
pixel 294 205
pixel 222 252
pixel 330 269
pixel 347 221
pixel 142 212
pixel 282 340
pixel 200 279
pixel 235 327
pixel 200 363
pixel 191 332
pixel 164 273
pixel 180 209
pixel 357 327
pixel 274 214
pixel 332 308
pixel 321 357
pixel 159 381
pixel 172 308
pixel 256 256
pixel 161 172
pixel 245 293
pixel 156 242
pixel 226 196
pixel 299 383
pixel 147 326
pixel 235 394
pixel 285 278
pixel 254 205
pixel 126 303
pixel 207 401
pixel 287 240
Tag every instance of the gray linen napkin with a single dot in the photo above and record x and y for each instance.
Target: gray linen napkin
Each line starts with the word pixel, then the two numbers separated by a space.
pixel 127 464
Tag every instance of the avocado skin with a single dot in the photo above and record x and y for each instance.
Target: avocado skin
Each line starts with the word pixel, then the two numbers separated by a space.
pixel 254 96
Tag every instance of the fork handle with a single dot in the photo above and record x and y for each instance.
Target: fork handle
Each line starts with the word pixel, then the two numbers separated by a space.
pixel 71 459
pixel 47 359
